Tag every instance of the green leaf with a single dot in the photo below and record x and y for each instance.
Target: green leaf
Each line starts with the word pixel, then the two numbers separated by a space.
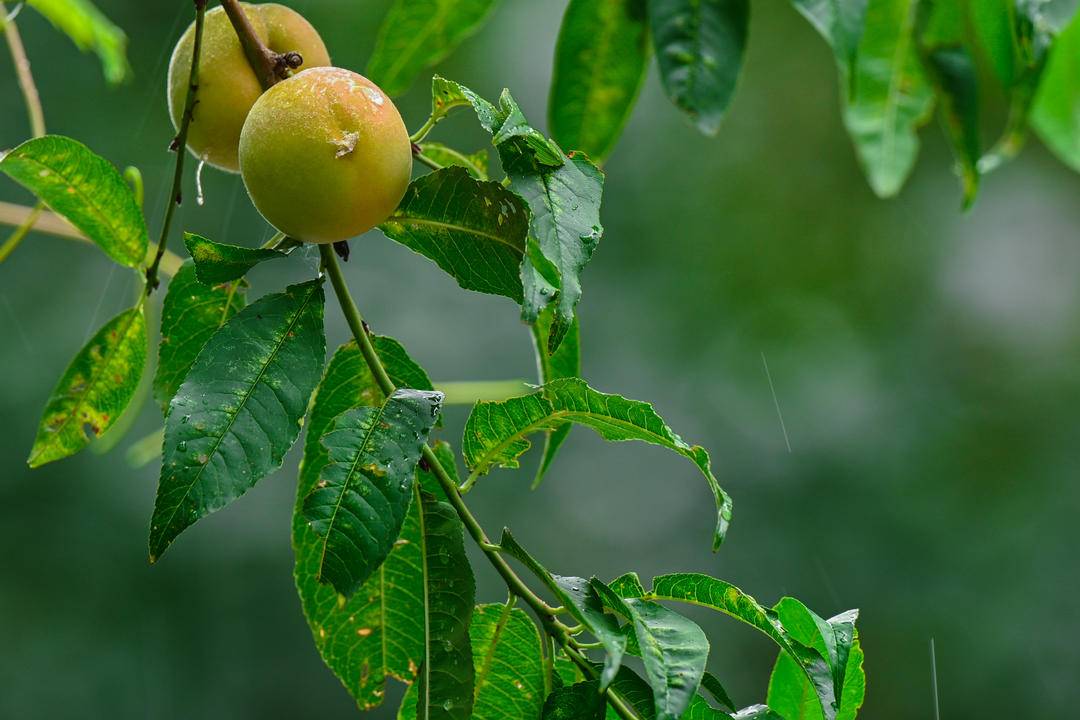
pixel 217 263
pixel 190 314
pixel 601 60
pixel 792 697
pixel 84 188
pixel 563 363
pixel 509 664
pixel 711 684
pixel 94 390
pixel 476 164
pixel 378 632
pixel 635 691
pixel 89 29
pixel 419 33
pixel 1053 115
pixel 953 73
pixel 699 47
pixel 474 230
pixel 582 602
pixel 581 701
pixel 446 681
pixel 239 409
pixel 994 23
pixel 496 433
pixel 364 491
pixel 892 97
pixel 840 22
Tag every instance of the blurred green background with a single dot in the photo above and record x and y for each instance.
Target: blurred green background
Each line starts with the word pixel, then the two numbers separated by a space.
pixel 926 362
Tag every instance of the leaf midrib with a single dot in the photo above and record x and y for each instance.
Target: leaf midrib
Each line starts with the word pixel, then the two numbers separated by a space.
pixel 442 225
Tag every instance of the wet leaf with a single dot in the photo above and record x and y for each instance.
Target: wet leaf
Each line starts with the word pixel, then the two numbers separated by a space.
pixel 563 363
pixel 476 164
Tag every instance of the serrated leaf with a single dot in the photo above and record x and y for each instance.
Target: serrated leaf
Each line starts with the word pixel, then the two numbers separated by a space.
pixel 792 697
pixel 474 230
pixel 190 314
pixel 601 60
pixel 89 29
pixel 563 363
pixel 217 263
pixel 509 664
pixel 699 47
pixel 840 23
pixel 84 188
pixel 581 701
pixel 94 389
pixel 583 604
pixel 891 98
pixel 476 164
pixel 364 491
pixel 416 34
pixel 378 632
pixel 496 433
pixel 239 409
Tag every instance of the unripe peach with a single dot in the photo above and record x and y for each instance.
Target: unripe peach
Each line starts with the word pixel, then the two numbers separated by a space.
pixel 228 87
pixel 325 155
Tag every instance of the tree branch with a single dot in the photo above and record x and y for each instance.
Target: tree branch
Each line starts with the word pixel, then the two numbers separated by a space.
pixel 269 66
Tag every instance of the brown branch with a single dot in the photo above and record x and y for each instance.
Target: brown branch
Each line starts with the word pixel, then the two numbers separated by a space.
pixel 269 66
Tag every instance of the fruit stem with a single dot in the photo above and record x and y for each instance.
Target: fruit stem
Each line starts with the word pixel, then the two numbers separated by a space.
pixel 269 66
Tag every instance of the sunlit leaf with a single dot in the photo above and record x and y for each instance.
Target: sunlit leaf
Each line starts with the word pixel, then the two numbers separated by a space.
pixel 363 492
pixel 699 48
pixel 497 433
pixel 86 189
pixel 190 314
pixel 416 34
pixel 563 363
pixel 475 231
pixel 891 98
pixel 217 263
pixel 89 29
pixel 94 390
pixel 239 409
pixel 600 63
pixel 476 164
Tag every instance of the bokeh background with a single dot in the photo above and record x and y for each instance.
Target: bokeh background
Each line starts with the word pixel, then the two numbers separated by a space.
pixel 926 362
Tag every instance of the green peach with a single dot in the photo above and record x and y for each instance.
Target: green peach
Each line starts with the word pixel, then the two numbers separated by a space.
pixel 228 87
pixel 325 155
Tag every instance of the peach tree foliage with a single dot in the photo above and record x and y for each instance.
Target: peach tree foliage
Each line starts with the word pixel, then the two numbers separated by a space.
pixel 381 522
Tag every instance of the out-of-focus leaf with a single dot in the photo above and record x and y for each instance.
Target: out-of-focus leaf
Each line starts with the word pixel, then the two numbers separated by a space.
pixel 565 362
pixel 364 491
pixel 416 34
pixel 496 433
pixel 1054 115
pixel 239 409
pixel 94 390
pixel 476 231
pixel 891 97
pixel 580 701
pixel 699 48
pixel 217 263
pixel 476 164
pixel 89 29
pixel 601 59
pixel 792 697
pixel 840 22
pixel 190 314
pixel 84 188
pixel 508 662
pixel 378 632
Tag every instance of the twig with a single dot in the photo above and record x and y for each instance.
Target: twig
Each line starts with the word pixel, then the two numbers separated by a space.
pixel 26 78
pixel 269 66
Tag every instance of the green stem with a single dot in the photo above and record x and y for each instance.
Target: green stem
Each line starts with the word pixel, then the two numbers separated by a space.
pixel 180 146
pixel 419 135
pixel 544 612
pixel 25 77
pixel 20 232
pixel 425 160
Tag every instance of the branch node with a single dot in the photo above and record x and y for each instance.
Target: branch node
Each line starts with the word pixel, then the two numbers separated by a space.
pixel 341 249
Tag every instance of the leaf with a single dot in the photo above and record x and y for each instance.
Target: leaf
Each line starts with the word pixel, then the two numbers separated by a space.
pixel 563 363
pixel 94 390
pixel 635 692
pixel 792 697
pixel 217 263
pixel 953 72
pixel 446 681
pixel 379 630
pixel 475 231
pixel 89 29
pixel 711 684
pixel 601 59
pixel 190 314
pixel 420 33
pixel 508 662
pixel 239 409
pixel 496 433
pixel 1053 115
pixel 84 188
pixel 892 97
pixel 582 602
pixel 476 164
pixel 840 22
pixel 360 500
pixel 699 47
pixel 581 701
